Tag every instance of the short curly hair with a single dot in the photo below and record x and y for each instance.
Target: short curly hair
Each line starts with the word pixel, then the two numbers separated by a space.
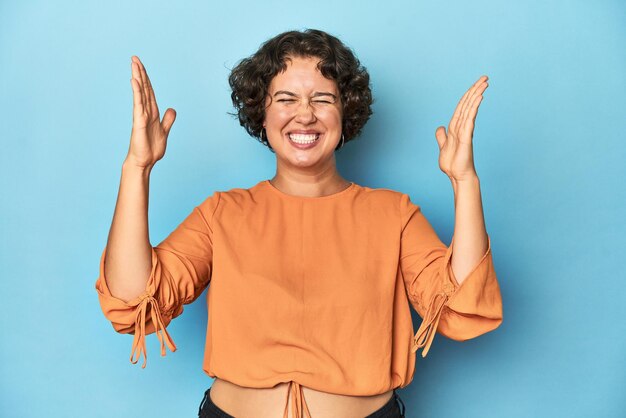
pixel 251 77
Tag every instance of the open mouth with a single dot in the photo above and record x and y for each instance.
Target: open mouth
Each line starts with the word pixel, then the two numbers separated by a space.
pixel 304 139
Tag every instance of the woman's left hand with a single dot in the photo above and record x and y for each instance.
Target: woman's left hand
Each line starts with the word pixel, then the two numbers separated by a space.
pixel 455 147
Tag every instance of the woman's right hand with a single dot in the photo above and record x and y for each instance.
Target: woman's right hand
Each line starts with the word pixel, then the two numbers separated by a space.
pixel 149 134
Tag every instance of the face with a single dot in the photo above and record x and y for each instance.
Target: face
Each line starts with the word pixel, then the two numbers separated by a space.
pixel 304 106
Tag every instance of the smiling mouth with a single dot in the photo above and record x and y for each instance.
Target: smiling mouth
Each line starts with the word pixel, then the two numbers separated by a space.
pixel 304 139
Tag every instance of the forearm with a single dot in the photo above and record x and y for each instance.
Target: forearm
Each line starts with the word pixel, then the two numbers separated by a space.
pixel 128 259
pixel 470 235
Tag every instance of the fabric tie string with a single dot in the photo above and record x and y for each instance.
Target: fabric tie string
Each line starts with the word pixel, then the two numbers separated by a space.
pixel 298 403
pixel 426 332
pixel 139 342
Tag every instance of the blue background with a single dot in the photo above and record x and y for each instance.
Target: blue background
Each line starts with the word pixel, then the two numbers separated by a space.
pixel 549 148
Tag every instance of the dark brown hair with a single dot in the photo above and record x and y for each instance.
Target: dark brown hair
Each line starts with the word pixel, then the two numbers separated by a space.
pixel 251 77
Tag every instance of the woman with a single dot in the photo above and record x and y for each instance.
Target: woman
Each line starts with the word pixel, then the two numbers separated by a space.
pixel 311 275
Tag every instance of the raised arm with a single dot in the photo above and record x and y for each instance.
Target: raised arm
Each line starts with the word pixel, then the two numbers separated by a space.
pixel 127 264
pixel 459 308
pixel 454 288
pixel 126 281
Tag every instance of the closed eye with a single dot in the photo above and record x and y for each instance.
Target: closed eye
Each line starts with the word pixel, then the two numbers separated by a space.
pixel 314 101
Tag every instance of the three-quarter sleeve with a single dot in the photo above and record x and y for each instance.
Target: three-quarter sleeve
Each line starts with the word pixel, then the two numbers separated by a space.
pixel 459 312
pixel 180 271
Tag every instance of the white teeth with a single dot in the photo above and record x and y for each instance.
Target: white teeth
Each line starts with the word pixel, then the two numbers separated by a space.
pixel 303 139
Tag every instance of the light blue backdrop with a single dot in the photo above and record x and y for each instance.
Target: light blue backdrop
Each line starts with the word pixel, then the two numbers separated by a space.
pixel 549 149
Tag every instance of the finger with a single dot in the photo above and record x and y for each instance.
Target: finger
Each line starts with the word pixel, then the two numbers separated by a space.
pixel 168 120
pixel 149 92
pixel 460 108
pixel 468 99
pixel 152 97
pixel 475 89
pixel 142 82
pixel 472 102
pixel 457 113
pixel 137 77
pixel 468 127
pixel 138 103
pixel 471 116
pixel 440 135
pixel 146 83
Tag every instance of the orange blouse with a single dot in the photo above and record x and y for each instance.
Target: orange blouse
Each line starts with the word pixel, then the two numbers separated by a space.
pixel 314 291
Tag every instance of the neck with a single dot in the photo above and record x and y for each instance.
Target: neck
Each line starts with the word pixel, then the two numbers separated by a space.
pixel 310 185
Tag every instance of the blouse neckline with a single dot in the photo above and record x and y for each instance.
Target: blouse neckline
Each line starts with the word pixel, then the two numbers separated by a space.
pixel 345 191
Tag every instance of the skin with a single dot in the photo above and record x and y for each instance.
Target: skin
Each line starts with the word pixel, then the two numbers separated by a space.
pixel 149 133
pixel 298 172
pixel 127 264
pixel 456 160
pixel 311 172
pixel 455 146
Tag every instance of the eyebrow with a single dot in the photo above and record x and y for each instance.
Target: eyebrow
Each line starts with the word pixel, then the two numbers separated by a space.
pixel 316 94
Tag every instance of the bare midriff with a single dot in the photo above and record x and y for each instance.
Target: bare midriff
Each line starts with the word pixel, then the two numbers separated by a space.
pixel 244 402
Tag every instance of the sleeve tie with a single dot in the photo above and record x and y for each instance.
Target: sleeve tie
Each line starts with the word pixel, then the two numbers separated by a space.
pixel 139 342
pixel 426 332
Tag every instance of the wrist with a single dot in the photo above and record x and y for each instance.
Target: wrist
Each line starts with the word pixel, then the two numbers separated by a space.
pixel 467 179
pixel 129 166
pixel 466 182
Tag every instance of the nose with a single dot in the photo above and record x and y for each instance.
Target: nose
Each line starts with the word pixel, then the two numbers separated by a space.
pixel 304 112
